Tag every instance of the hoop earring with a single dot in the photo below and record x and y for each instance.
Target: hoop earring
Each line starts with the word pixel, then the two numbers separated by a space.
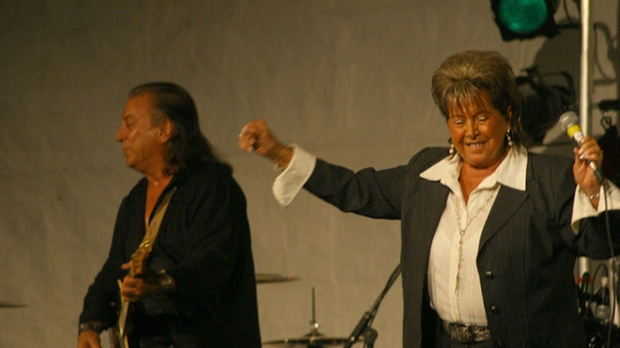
pixel 509 138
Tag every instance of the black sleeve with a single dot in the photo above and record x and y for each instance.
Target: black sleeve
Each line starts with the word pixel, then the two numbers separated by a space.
pixel 369 192
pixel 218 238
pixel 103 294
pixel 600 235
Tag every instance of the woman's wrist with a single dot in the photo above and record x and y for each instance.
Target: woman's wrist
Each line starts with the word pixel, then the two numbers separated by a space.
pixel 592 197
pixel 591 194
pixel 282 157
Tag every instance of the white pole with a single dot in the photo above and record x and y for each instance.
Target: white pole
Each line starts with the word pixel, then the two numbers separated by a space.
pixel 584 96
pixel 585 79
pixel 585 110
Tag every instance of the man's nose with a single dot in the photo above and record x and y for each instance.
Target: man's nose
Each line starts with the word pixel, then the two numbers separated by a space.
pixel 120 135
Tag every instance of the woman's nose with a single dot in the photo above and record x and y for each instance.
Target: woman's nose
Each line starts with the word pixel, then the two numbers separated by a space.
pixel 471 129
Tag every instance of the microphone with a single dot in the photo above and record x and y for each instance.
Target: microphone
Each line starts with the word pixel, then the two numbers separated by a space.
pixel 602 310
pixel 569 122
pixel 359 329
pixel 584 297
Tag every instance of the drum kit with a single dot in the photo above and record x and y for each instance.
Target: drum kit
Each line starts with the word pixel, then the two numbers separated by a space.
pixel 363 331
pixel 313 339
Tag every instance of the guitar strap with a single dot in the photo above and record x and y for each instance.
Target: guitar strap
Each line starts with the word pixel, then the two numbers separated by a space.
pixel 153 227
pixel 119 339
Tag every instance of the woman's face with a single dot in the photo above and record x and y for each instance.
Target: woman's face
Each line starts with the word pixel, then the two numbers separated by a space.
pixel 478 133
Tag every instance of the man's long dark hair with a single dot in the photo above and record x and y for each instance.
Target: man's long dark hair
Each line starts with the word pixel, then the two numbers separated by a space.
pixel 187 145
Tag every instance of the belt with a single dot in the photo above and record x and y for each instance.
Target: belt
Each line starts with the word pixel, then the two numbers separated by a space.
pixel 462 333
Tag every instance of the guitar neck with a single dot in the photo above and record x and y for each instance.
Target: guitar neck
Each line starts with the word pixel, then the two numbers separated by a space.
pixel 119 334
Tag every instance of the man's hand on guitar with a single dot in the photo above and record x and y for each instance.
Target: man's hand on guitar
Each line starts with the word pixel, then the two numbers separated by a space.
pixel 135 288
pixel 89 339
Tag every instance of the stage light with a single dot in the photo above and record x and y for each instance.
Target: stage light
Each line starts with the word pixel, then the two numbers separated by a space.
pixel 545 98
pixel 525 19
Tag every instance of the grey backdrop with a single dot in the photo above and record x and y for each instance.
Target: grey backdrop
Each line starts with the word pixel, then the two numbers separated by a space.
pixel 348 80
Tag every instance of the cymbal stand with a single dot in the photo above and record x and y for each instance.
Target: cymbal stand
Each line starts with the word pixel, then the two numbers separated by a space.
pixel 364 325
pixel 314 331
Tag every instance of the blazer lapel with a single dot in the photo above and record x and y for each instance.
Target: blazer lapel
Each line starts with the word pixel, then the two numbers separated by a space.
pixel 435 195
pixel 506 203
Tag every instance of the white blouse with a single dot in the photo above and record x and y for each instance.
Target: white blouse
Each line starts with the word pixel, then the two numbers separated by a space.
pixel 461 300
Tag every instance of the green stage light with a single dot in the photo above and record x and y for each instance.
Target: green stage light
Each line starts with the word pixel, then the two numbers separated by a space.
pixel 525 19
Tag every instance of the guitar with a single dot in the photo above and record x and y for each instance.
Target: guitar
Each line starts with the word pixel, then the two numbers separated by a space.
pixel 120 333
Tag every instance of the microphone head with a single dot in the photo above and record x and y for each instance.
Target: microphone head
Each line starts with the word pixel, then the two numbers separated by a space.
pixel 568 119
pixel 602 312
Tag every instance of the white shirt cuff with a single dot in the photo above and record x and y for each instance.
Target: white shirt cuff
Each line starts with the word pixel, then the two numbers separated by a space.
pixel 582 208
pixel 292 179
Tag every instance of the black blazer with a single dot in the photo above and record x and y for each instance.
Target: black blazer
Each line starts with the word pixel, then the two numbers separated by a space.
pixel 527 248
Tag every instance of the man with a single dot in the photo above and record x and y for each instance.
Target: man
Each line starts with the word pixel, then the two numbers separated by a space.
pixel 199 288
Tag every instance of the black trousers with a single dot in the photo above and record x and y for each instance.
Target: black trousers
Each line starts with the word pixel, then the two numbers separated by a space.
pixel 157 342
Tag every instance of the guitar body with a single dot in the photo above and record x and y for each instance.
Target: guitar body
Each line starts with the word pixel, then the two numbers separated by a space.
pixel 120 333
pixel 116 341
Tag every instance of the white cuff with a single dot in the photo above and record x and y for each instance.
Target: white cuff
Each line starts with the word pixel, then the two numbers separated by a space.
pixel 292 179
pixel 582 207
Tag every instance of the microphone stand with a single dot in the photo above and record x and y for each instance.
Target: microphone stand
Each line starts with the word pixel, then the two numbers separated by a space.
pixel 363 327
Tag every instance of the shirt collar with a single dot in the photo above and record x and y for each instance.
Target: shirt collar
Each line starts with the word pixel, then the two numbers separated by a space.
pixel 511 172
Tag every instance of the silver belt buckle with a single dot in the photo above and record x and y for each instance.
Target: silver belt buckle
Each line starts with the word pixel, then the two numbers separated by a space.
pixel 462 333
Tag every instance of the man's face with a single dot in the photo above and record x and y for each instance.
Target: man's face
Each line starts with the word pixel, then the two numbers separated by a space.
pixel 139 137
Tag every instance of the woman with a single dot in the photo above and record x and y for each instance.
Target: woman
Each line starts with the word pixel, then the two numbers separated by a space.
pixel 488 245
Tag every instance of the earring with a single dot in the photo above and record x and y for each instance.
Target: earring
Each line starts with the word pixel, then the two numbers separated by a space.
pixel 509 138
pixel 452 150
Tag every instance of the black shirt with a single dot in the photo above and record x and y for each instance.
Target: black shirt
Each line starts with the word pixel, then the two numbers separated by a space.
pixel 204 244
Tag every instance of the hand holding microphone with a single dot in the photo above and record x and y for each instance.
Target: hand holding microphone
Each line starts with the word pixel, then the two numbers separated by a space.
pixel 588 147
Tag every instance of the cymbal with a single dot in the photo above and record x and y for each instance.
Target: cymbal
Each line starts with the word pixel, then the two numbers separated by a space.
pixel 310 341
pixel 273 278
